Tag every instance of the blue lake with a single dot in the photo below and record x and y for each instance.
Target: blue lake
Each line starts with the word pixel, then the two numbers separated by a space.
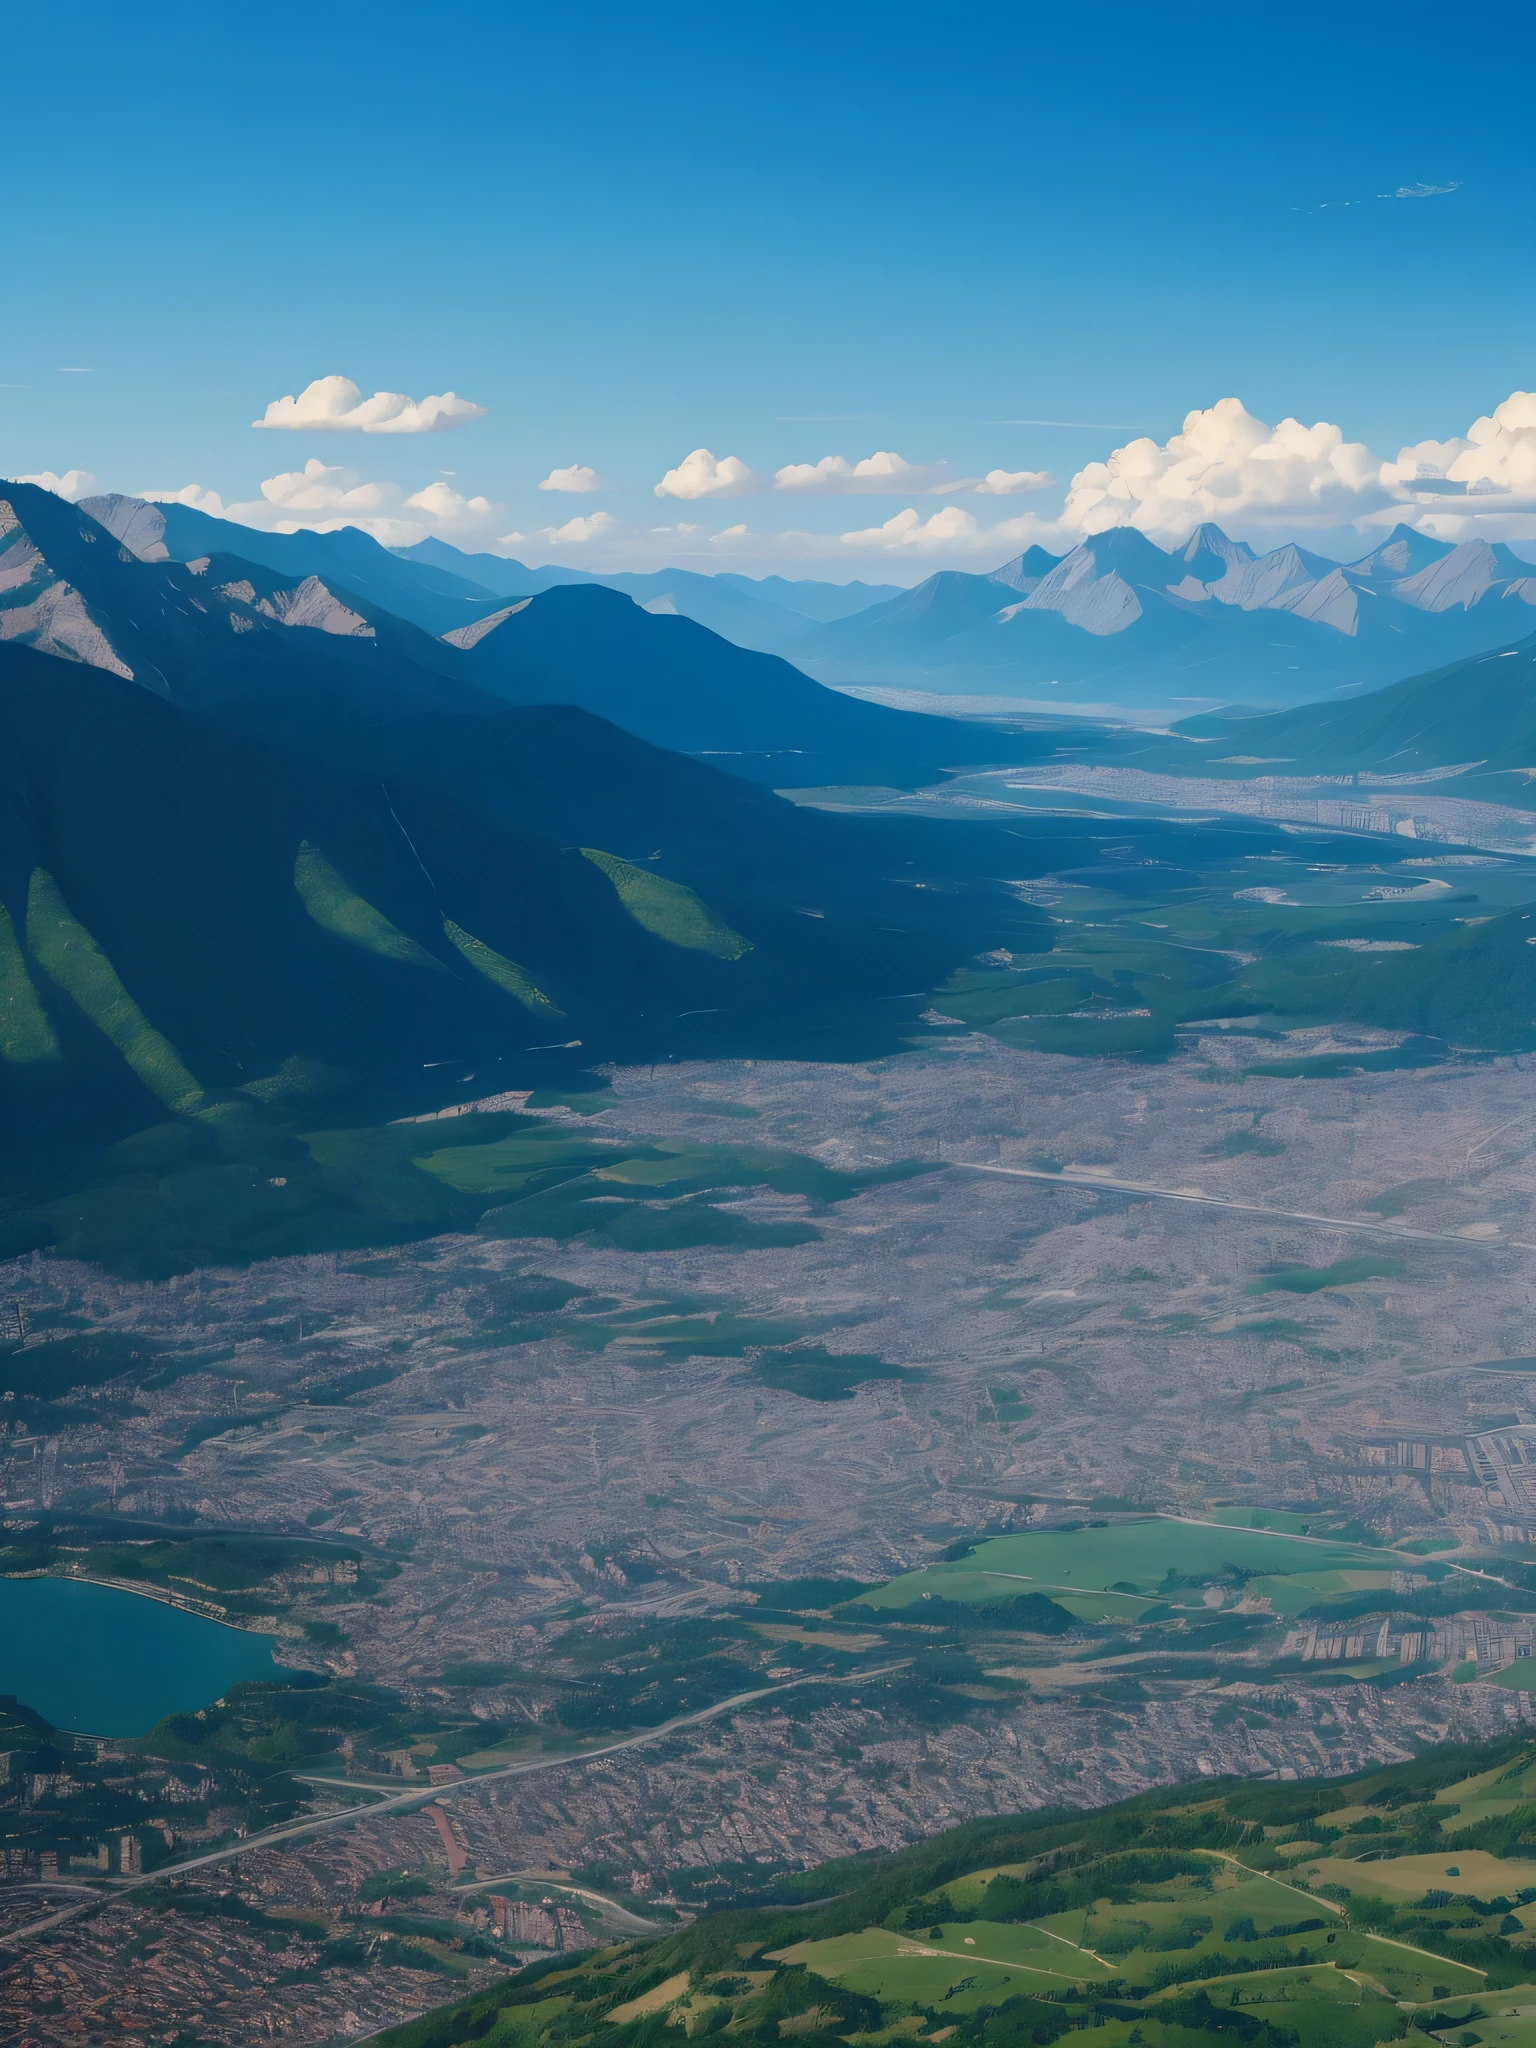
pixel 110 1663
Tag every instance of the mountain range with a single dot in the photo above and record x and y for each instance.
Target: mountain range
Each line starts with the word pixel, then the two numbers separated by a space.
pixel 659 674
pixel 273 860
pixel 1131 625
pixel 1119 622
pixel 1118 625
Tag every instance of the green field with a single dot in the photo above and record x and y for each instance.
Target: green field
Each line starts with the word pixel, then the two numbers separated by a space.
pixel 669 910
pixel 26 1036
pixel 960 1969
pixel 338 909
pixel 514 1161
pixel 1138 956
pixel 1158 1559
pixel 71 958
pixel 504 973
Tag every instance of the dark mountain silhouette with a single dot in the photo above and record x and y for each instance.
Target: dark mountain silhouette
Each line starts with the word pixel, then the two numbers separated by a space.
pixel 220 622
pixel 262 867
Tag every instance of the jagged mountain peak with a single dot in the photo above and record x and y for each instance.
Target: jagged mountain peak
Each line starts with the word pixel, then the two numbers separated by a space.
pixel 1026 570
pixel 1404 552
pixel 1209 552
pixel 135 523
pixel 1124 551
pixel 39 606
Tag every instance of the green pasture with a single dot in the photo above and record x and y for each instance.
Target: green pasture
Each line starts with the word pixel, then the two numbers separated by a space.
pixel 1155 1559
pixel 1474 1871
pixel 974 1963
pixel 338 909
pixel 513 1161
pixel 1519 1677
pixel 1147 948
pixel 669 910
pixel 26 1036
pixel 1291 1592
pixel 1277 1519
pixel 1487 1796
pixel 505 974
pixel 73 961
pixel 1510 2029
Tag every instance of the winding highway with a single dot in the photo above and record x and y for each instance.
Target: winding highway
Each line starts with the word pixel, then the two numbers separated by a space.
pixel 401 1802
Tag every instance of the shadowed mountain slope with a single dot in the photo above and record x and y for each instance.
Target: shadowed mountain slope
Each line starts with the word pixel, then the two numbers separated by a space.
pixel 1478 714
pixel 250 855
pixel 214 633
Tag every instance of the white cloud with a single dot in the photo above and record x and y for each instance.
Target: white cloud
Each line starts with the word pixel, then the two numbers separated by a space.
pixel 336 405
pixel 1498 453
pixel 577 478
pixel 1421 191
pixel 1007 483
pixel 910 530
pixel 699 475
pixel 1481 483
pixel 74 484
pixel 189 494
pixel 1264 482
pixel 1228 467
pixel 322 498
pixel 884 473
pixel 576 532
pixel 445 506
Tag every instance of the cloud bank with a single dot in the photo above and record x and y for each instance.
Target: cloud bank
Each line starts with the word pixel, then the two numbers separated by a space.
pixel 1227 466
pixel 323 498
pixel 335 405
pixel 1261 482
pixel 879 474
pixel 577 532
pixel 885 474
pixel 74 484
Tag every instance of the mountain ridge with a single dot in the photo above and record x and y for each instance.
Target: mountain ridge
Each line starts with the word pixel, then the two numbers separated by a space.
pixel 228 623
pixel 1119 621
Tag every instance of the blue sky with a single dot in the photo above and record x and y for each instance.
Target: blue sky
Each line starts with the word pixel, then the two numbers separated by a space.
pixel 777 233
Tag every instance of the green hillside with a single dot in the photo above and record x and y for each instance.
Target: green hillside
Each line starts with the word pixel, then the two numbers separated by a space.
pixel 1335 1913
pixel 1480 711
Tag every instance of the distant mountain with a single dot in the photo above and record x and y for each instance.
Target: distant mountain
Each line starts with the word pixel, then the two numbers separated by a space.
pixel 659 675
pixel 773 616
pixel 1122 622
pixel 680 686
pixel 1119 623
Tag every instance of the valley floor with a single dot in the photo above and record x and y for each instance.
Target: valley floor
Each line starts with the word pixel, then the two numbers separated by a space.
pixel 1015 1354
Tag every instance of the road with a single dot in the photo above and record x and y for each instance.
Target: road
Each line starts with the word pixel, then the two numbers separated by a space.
pixel 55 1919
pixel 1104 1184
pixel 621 1916
pixel 401 1802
